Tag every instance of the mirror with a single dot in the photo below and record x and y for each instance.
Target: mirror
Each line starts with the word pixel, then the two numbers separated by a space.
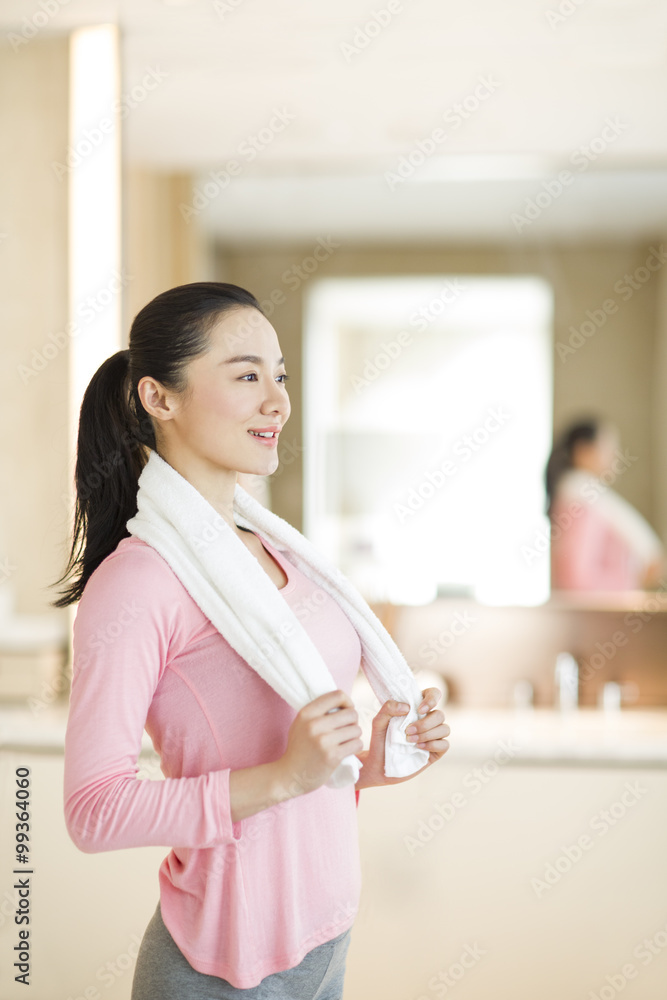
pixel 431 436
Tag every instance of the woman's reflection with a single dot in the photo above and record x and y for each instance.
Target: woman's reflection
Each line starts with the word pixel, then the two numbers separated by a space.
pixel 599 541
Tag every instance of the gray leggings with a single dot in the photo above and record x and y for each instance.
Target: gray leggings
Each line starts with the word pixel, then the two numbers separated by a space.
pixel 162 972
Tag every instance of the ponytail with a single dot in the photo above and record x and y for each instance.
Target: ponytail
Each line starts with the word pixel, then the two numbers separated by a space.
pixel 109 461
pixel 115 431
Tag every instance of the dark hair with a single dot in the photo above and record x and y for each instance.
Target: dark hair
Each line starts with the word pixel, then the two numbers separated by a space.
pixel 560 460
pixel 116 433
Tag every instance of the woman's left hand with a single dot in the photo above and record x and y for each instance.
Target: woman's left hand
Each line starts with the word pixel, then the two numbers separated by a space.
pixel 429 734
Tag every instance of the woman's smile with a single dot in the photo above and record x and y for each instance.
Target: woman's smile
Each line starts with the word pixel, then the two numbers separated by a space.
pixel 268 436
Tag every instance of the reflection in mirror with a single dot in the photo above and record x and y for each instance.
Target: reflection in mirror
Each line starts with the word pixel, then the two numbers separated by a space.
pixel 428 423
pixel 599 541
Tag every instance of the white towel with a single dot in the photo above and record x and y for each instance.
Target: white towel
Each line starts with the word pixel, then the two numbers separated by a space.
pixel 236 594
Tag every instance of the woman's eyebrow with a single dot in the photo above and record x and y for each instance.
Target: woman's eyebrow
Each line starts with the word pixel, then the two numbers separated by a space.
pixel 252 358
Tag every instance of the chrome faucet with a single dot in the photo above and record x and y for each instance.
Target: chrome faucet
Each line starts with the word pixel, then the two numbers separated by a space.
pixel 567 681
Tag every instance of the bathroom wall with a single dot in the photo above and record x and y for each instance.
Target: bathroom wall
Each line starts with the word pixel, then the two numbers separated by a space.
pixel 160 248
pixel 483 652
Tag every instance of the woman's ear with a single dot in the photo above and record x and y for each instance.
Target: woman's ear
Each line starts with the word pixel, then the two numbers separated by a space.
pixel 155 399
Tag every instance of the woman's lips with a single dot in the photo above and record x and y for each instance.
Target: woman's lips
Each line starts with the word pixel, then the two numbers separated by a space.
pixel 268 442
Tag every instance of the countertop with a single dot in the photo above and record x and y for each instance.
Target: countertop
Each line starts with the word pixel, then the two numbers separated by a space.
pixel 582 736
pixel 539 736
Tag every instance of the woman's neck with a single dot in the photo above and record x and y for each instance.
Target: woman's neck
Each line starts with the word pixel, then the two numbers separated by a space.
pixel 215 484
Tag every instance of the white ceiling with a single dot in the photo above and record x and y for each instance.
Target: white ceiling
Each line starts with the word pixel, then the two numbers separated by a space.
pixel 229 64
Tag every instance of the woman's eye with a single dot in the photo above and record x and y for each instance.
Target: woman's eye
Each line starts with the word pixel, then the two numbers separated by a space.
pixel 254 376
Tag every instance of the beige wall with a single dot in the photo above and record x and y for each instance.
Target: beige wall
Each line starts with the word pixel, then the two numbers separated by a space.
pixel 36 469
pixel 658 386
pixel 160 249
pixel 612 373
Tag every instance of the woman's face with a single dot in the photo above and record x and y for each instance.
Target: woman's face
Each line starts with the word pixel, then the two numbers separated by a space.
pixel 597 456
pixel 227 398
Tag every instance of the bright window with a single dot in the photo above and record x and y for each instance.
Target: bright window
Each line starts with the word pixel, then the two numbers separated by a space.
pixel 427 425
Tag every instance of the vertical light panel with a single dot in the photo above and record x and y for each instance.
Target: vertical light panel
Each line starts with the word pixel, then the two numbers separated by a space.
pixel 94 168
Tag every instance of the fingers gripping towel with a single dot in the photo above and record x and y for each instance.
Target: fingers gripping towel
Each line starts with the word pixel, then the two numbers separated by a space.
pixel 239 598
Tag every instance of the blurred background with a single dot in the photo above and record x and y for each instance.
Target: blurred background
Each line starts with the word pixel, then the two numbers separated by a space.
pixel 454 217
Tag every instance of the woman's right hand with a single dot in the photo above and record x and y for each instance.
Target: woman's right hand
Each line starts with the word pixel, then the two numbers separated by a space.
pixel 318 740
pixel 651 579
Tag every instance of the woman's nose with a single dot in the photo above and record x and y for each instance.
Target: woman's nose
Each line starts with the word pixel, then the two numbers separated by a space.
pixel 277 398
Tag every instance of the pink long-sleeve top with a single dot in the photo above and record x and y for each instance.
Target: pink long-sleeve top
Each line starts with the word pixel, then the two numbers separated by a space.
pixel 599 541
pixel 588 554
pixel 241 899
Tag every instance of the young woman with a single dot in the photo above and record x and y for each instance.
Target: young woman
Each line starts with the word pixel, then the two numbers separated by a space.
pixel 599 540
pixel 260 889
